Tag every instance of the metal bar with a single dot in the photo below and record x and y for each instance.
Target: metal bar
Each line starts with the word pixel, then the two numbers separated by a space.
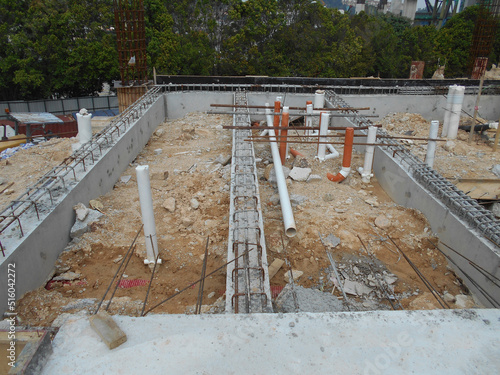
pixel 279 114
pixel 202 283
pixel 294 108
pixel 152 274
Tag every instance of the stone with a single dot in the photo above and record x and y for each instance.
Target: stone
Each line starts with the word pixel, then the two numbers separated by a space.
pixel 449 146
pixel 448 297
pixel 313 178
pixel 296 275
pixel 328 197
pixel 372 201
pixel 169 204
pixel 158 132
pixel 223 160
pixel 81 227
pixel 194 204
pixel 125 179
pixel 67 276
pixel 390 279
pixel 275 267
pixel 104 325
pixel 463 301
pixel 187 221
pixel 158 151
pixel 382 222
pixel 274 199
pixel 332 241
pixel 267 171
pixel 3 180
pixel 81 211
pixel 496 170
pixel 355 288
pixel 272 174
pixel 355 270
pixel 96 205
pixel 301 162
pixel 300 174
pixel 211 295
pixel 296 199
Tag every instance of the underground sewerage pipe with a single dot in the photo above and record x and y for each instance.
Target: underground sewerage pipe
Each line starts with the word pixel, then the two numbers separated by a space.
pixel 286 207
pixel 84 121
pixel 323 145
pixel 431 145
pixel 296 153
pixel 309 119
pixel 148 218
pixel 456 110
pixel 366 170
pixel 319 99
pixel 346 160
pixel 447 113
pixel 284 133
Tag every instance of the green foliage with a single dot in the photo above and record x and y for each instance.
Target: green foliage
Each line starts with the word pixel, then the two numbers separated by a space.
pixel 68 47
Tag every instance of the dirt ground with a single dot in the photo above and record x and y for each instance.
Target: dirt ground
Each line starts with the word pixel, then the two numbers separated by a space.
pixel 186 158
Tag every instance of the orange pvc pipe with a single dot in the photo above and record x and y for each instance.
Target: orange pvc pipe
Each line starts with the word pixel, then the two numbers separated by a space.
pixel 284 132
pixel 295 153
pixel 346 160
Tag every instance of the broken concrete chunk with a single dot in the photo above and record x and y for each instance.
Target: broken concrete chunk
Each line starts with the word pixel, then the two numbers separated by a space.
pixel 81 227
pixel 390 279
pixel 80 304
pixel 125 179
pixel 448 297
pixel 96 205
pixel 81 211
pixel 194 204
pixel 158 151
pixel 67 276
pixel 169 204
pixel 272 173
pixel 332 241
pixel 296 275
pixel 296 199
pixel 463 301
pixel 382 222
pixel 313 178
pixel 355 288
pixel 104 325
pixel 223 160
pixel 496 170
pixel 300 174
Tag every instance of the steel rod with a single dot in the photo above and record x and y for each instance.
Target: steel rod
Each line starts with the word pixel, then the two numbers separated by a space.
pixel 295 108
pixel 152 274
pixel 279 114
pixel 262 127
pixel 202 283
pixel 118 270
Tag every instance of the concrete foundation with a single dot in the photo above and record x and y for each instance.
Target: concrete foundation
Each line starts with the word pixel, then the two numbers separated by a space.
pixel 371 343
pixel 35 256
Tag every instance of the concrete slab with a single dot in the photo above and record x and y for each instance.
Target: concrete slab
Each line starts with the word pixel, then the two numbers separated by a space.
pixel 383 342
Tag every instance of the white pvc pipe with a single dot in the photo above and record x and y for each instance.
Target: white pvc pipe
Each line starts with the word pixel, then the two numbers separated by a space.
pixel 447 112
pixel 286 206
pixel 148 218
pixel 323 130
pixel 333 153
pixel 309 119
pixel 456 110
pixel 431 146
pixel 319 99
pixel 366 170
pixel 84 120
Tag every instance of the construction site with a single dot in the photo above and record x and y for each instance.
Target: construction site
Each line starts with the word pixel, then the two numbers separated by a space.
pixel 257 225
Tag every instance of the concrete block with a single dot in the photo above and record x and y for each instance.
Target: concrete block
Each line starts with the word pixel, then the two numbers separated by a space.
pixel 104 325
pixel 300 174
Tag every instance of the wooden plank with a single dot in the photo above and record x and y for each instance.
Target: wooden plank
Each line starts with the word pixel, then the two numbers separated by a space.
pixel 275 267
pixel 487 189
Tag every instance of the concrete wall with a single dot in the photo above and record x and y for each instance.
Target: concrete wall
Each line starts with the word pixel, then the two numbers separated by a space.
pixel 181 103
pixel 454 232
pixel 431 107
pixel 35 256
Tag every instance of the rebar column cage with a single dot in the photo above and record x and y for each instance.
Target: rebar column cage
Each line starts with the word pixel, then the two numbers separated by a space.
pixel 484 32
pixel 131 41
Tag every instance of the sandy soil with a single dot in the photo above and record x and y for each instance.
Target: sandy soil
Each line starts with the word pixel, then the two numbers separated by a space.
pixel 184 159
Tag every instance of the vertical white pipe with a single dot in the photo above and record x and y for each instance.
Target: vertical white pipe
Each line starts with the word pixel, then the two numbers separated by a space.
pixel 309 119
pixel 148 218
pixel 323 130
pixel 319 99
pixel 84 121
pixel 286 206
pixel 456 110
pixel 447 112
pixel 431 146
pixel 366 171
